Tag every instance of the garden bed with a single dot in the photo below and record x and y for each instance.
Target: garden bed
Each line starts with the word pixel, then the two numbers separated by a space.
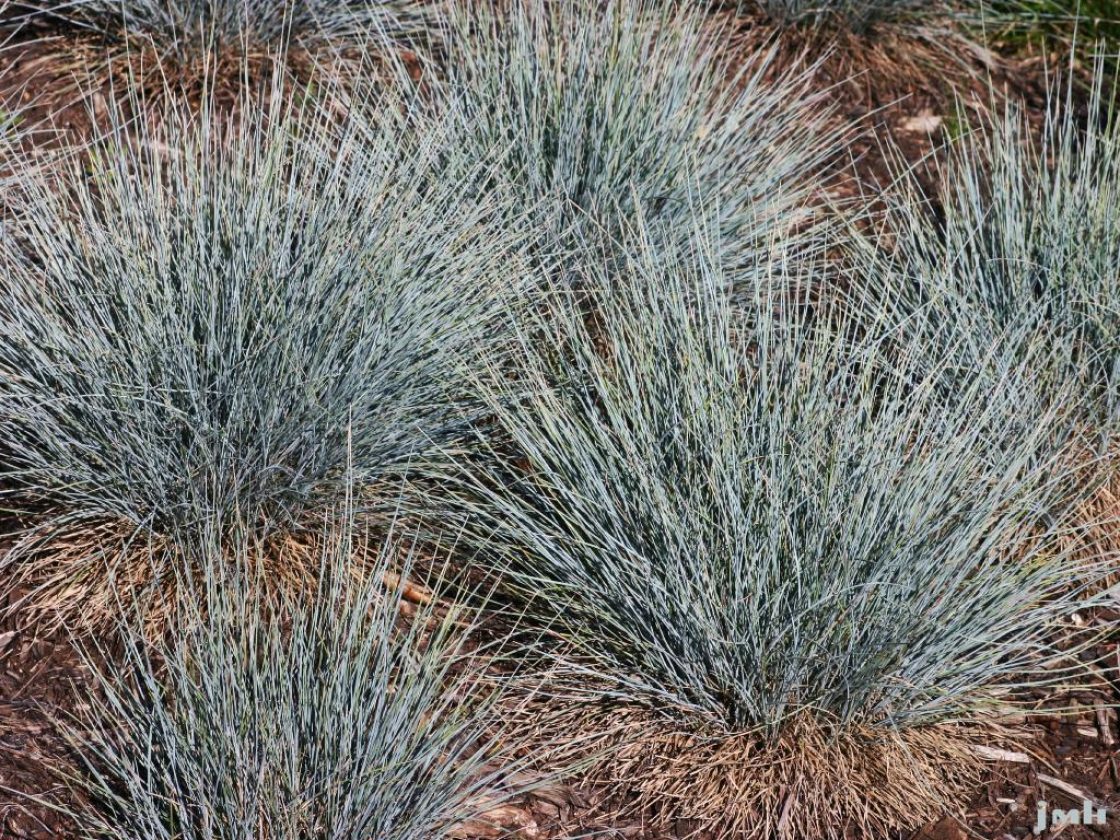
pixel 887 100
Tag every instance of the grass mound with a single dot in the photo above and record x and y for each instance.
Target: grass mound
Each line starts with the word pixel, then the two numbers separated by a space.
pixel 1019 250
pixel 744 520
pixel 1022 240
pixel 321 717
pixel 237 315
pixel 603 112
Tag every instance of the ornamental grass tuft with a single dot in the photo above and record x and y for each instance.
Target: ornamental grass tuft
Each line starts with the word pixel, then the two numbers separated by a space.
pixel 1019 250
pixel 331 716
pixel 1022 239
pixel 215 320
pixel 750 523
pixel 601 112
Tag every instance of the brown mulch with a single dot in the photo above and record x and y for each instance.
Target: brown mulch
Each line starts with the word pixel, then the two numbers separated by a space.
pixel 37 675
pixel 896 94
pixel 1079 749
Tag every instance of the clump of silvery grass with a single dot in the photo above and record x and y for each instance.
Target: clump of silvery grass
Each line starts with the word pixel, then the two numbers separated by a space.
pixel 235 311
pixel 190 28
pixel 602 111
pixel 1017 257
pixel 1022 239
pixel 330 716
pixel 858 15
pixel 792 564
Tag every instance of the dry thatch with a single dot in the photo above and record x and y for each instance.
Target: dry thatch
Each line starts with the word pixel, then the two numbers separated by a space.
pixel 810 779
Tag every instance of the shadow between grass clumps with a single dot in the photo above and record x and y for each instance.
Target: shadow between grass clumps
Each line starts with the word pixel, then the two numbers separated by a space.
pixel 1089 30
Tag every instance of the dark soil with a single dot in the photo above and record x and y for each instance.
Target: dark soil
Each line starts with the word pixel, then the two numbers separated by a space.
pixel 37 82
pixel 37 678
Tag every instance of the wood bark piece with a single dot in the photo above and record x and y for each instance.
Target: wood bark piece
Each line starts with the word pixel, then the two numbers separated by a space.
pixel 409 591
pixel 1066 788
pixel 996 754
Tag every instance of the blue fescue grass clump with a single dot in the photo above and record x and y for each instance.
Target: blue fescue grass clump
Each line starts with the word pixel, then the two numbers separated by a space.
pixel 600 112
pixel 1017 257
pixel 236 313
pixel 1019 248
pixel 183 28
pixel 323 717
pixel 752 523
pixel 858 15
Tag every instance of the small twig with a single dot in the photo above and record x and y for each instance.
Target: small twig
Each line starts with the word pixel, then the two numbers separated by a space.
pixel 409 591
pixel 1104 725
pixel 1066 788
pixel 783 820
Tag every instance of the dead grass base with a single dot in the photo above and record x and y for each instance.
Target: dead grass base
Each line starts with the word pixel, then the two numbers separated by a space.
pixel 812 779
pixel 1093 533
pixel 86 577
pixel 1101 541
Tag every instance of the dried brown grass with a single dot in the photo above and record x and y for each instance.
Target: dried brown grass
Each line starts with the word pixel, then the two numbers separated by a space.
pixel 86 577
pixel 1098 538
pixel 812 778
